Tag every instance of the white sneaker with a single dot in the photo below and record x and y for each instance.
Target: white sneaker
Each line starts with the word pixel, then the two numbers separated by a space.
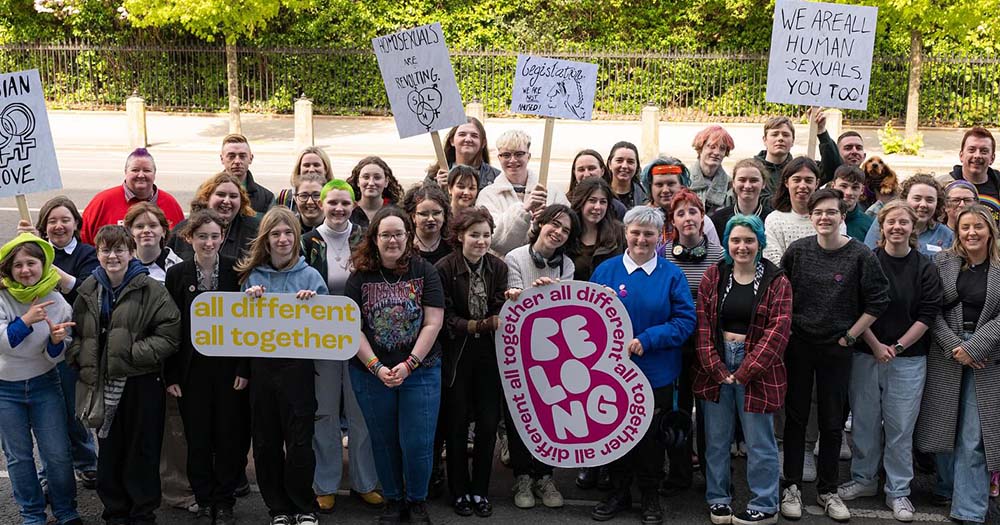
pixel 791 503
pixel 901 507
pixel 845 448
pixel 853 490
pixel 809 468
pixel 834 506
pixel 849 424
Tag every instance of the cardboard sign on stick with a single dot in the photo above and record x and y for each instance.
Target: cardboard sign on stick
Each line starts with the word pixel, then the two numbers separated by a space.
pixel 821 54
pixel 27 155
pixel 233 324
pixel 576 398
pixel 551 87
pixel 419 80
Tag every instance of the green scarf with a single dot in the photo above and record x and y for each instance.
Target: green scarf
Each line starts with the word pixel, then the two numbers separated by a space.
pixel 50 278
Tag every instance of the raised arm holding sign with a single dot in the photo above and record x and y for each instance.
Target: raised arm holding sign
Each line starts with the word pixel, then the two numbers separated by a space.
pixel 27 155
pixel 420 83
pixel 553 88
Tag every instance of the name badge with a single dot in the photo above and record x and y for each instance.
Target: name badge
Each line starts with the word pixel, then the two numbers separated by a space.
pixel 933 248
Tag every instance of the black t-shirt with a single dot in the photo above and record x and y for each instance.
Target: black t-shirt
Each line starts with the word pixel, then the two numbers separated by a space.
pixel 737 309
pixel 583 263
pixel 443 249
pixel 989 188
pixel 914 295
pixel 392 309
pixel 972 291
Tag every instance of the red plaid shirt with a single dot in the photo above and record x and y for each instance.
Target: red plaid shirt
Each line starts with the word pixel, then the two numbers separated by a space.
pixel 763 369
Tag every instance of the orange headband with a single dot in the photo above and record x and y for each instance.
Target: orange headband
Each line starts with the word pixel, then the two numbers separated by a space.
pixel 666 169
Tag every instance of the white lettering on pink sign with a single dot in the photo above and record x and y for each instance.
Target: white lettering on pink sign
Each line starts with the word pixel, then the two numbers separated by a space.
pixel 574 395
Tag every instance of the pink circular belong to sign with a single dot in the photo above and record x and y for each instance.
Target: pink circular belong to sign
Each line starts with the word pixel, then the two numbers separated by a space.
pixel 574 395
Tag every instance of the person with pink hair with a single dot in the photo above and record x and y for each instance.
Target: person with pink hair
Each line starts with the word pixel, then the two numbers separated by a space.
pixel 709 180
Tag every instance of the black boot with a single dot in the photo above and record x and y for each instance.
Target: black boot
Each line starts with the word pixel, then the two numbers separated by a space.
pixel 620 499
pixel 586 478
pixel 652 513
pixel 604 479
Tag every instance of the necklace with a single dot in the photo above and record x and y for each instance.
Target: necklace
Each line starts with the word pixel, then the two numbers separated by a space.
pixel 425 248
pixel 381 272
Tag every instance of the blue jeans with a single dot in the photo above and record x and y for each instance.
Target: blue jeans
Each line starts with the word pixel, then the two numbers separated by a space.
pixel 81 440
pixel 758 431
pixel 37 406
pixel 401 423
pixel 333 384
pixel 885 397
pixel 962 474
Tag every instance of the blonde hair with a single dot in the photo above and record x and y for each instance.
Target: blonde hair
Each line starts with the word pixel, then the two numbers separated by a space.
pixel 994 248
pixel 315 150
pixel 514 139
pixel 890 207
pixel 259 253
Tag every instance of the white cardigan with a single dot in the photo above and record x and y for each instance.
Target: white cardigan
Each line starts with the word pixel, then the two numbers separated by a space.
pixel 507 209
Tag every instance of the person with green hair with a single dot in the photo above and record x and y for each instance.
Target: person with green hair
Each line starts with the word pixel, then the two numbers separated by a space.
pixel 34 331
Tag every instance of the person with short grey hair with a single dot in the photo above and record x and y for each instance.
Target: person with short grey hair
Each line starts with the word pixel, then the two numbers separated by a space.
pixel 645 216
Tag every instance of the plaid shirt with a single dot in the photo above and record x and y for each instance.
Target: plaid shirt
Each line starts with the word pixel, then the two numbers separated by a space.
pixel 763 370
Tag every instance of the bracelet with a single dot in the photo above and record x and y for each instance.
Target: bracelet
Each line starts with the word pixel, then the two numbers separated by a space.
pixel 375 367
pixel 368 364
pixel 412 362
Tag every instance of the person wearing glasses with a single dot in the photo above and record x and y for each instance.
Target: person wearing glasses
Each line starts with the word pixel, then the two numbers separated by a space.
pixel 224 194
pixel 375 186
pixel 957 195
pixel 515 198
pixel 397 374
pixel 126 327
pixel 838 291
pixel 307 201
pixel 428 208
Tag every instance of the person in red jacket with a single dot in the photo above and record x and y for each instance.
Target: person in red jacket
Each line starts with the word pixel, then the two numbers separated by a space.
pixel 744 317
pixel 110 205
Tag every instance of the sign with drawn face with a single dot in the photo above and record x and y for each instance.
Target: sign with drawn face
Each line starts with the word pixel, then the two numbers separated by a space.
pixel 27 155
pixel 574 395
pixel 821 54
pixel 416 70
pixel 551 87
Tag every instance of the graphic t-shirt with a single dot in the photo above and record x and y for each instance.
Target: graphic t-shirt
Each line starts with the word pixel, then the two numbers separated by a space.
pixel 392 309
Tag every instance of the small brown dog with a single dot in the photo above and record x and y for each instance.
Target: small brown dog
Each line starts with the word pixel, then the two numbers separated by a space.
pixel 881 182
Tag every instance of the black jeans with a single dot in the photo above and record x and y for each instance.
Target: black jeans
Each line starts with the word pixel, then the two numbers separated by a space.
pixel 681 469
pixel 644 463
pixel 521 460
pixel 128 466
pixel 829 366
pixel 283 407
pixel 475 395
pixel 216 427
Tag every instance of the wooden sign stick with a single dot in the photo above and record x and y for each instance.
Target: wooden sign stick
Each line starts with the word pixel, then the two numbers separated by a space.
pixel 22 206
pixel 543 172
pixel 439 151
pixel 813 140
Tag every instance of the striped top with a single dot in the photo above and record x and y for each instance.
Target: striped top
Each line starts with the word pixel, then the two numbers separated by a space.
pixel 694 270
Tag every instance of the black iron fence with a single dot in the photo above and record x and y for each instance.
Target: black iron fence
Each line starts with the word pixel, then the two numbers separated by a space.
pixel 718 86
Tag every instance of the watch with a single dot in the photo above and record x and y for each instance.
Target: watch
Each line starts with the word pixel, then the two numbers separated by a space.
pixel 898 348
pixel 850 339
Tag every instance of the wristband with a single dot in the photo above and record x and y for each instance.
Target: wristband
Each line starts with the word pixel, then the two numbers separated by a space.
pixel 472 327
pixel 412 362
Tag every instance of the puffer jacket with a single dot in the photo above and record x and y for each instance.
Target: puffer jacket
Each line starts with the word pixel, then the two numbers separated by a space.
pixel 144 330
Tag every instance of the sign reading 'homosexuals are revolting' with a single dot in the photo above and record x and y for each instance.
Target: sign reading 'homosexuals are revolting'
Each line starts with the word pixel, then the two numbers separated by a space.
pixel 574 395
pixel 233 324
pixel 821 54
pixel 551 87
pixel 27 155
pixel 419 80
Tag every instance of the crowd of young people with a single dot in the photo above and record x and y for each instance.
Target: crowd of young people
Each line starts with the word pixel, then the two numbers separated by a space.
pixel 756 298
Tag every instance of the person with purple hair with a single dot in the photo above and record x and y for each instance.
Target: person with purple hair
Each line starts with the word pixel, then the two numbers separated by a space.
pixel 110 205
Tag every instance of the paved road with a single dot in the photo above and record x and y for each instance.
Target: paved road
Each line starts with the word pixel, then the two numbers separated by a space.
pixel 685 508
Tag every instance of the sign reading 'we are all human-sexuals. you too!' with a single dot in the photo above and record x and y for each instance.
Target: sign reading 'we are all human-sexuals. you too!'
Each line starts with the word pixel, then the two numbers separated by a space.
pixel 821 54
pixel 233 324
pixel 575 397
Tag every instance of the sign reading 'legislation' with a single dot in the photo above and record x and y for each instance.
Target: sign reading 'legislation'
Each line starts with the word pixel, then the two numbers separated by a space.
pixel 821 54
pixel 27 156
pixel 234 324
pixel 576 398
pixel 419 80
pixel 551 87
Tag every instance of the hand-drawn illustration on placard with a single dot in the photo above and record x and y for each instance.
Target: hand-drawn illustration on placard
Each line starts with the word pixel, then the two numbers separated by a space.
pixel 27 155
pixel 821 54
pixel 551 87
pixel 419 80
pixel 576 398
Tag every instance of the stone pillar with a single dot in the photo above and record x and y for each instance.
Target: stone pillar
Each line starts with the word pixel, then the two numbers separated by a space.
pixel 834 122
pixel 135 113
pixel 303 123
pixel 476 109
pixel 650 147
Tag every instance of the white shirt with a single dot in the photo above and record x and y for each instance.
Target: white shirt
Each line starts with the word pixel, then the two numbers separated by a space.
pixel 631 266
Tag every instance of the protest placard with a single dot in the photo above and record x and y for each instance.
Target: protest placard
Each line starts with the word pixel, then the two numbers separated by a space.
pixel 553 88
pixel 27 155
pixel 821 54
pixel 575 397
pixel 233 324
pixel 419 80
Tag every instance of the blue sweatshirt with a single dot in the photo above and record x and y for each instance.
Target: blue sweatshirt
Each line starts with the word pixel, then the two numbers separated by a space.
pixel 661 310
pixel 301 276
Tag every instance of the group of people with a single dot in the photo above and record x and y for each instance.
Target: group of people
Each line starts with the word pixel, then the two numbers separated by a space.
pixel 788 287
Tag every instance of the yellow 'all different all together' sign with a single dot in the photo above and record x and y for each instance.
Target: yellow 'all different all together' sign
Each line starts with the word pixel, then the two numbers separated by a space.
pixel 233 324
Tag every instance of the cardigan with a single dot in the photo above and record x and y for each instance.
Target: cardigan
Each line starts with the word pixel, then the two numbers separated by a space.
pixel 938 419
pixel 507 209
pixel 763 369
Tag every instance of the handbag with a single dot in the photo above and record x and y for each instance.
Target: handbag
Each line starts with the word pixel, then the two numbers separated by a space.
pixel 90 400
